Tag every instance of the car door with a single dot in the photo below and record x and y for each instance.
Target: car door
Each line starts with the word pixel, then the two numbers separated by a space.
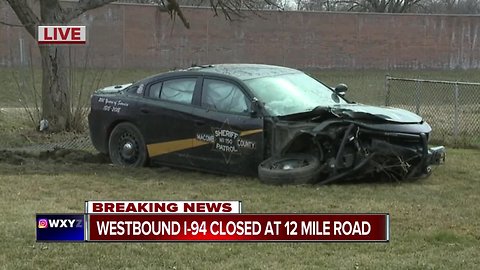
pixel 166 117
pixel 228 137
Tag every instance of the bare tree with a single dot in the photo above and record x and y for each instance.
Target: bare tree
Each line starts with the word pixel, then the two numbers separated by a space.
pixel 392 6
pixel 56 100
pixel 255 4
pixel 452 6
pixel 315 5
pixel 382 6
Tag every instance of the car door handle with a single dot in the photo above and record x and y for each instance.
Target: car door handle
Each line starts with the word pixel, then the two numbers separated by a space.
pixel 199 123
pixel 144 110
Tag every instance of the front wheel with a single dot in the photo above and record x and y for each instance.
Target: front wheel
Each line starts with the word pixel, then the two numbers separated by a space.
pixel 289 169
pixel 126 146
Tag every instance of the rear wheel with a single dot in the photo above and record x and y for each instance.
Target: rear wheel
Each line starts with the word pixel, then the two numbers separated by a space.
pixel 289 169
pixel 126 146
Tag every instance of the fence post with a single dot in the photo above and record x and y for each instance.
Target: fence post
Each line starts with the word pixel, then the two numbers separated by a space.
pixel 22 53
pixel 417 97
pixel 456 116
pixel 23 64
pixel 387 90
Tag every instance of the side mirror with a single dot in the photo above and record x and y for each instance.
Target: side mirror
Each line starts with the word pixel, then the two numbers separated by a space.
pixel 341 89
pixel 255 108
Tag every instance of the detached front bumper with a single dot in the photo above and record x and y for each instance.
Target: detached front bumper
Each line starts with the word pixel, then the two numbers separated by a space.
pixel 436 155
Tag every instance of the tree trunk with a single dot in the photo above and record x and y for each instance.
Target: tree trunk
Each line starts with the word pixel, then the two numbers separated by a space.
pixel 55 93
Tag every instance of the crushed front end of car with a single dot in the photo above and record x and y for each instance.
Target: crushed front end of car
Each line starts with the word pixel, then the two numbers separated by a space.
pixel 351 142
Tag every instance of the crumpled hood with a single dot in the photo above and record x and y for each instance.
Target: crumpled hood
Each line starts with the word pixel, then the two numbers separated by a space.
pixel 360 111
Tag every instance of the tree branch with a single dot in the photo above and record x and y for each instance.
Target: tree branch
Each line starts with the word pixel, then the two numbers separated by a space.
pixel 11 24
pixel 25 14
pixel 173 8
pixel 81 7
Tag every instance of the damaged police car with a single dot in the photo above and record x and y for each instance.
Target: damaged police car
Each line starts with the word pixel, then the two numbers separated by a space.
pixel 243 118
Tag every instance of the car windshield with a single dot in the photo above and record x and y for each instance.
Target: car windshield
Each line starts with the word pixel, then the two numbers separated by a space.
pixel 292 93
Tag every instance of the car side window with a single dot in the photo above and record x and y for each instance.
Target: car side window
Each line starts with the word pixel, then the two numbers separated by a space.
pixel 178 90
pixel 155 90
pixel 135 89
pixel 224 97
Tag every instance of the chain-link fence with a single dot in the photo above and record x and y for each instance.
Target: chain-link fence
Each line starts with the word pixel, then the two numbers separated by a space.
pixel 451 108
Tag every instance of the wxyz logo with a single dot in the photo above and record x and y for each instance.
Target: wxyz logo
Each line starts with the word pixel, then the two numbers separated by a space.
pixel 60 223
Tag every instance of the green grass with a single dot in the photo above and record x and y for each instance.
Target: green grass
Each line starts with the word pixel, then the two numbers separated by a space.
pixel 434 222
pixel 365 86
pixel 17 130
pixel 88 79
pixel 368 86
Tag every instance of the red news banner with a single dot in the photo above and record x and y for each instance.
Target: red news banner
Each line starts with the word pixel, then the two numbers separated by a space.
pixel 162 207
pixel 238 227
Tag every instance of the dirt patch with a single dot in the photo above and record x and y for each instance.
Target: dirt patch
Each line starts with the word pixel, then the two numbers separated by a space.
pixel 66 156
pixel 64 162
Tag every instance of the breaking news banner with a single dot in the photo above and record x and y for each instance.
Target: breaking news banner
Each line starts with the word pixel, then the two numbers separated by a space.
pixel 239 227
pixel 160 207
pixel 60 227
pixel 197 221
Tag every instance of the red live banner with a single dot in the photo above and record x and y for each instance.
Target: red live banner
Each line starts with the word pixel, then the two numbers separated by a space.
pixel 239 227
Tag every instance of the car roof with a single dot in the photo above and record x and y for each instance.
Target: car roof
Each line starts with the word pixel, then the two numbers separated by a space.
pixel 244 71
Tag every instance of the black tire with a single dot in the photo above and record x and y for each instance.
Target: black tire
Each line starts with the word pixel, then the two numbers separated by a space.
pixel 302 169
pixel 126 146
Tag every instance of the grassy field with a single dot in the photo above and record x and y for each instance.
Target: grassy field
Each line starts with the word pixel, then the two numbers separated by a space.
pixel 366 86
pixel 12 81
pixel 435 222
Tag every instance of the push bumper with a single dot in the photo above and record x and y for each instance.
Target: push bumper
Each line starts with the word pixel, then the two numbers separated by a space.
pixel 436 155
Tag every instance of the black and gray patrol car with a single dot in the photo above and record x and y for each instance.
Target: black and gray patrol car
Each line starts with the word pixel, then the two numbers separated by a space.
pixel 277 122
